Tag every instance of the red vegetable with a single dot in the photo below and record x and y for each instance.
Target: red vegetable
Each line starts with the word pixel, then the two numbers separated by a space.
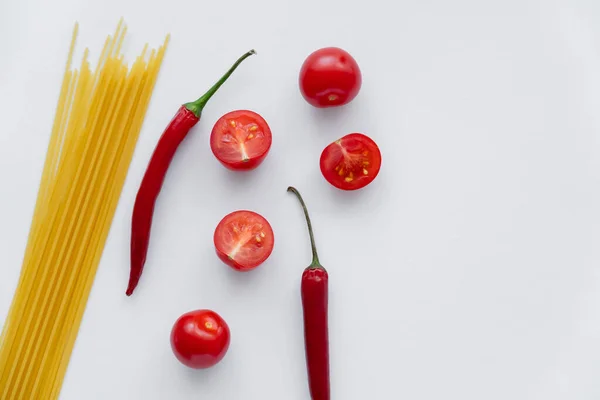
pixel 200 339
pixel 314 289
pixel 241 140
pixel 243 240
pixel 330 77
pixel 351 162
pixel 141 221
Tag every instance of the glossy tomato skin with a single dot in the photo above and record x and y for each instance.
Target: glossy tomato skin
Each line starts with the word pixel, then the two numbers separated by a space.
pixel 241 140
pixel 200 339
pixel 352 162
pixel 330 77
pixel 252 232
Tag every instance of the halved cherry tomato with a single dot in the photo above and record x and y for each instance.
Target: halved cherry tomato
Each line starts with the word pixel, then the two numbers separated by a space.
pixel 243 240
pixel 351 162
pixel 330 77
pixel 200 339
pixel 241 140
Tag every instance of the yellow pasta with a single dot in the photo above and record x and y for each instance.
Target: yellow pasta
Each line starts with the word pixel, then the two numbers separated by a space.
pixel 97 122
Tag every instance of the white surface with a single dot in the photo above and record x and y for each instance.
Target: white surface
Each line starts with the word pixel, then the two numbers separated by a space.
pixel 468 270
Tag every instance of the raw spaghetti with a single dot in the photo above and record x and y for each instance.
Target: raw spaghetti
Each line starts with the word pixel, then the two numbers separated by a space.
pixel 98 119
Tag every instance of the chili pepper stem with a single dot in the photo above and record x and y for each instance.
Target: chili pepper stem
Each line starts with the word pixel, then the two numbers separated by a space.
pixel 315 257
pixel 197 106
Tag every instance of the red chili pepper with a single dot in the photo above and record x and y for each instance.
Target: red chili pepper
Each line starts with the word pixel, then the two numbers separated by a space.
pixel 141 221
pixel 314 291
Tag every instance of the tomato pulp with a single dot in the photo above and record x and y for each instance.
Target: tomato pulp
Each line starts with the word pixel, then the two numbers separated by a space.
pixel 330 77
pixel 200 339
pixel 241 140
pixel 243 240
pixel 351 162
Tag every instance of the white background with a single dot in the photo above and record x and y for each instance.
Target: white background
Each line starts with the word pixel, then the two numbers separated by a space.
pixel 470 268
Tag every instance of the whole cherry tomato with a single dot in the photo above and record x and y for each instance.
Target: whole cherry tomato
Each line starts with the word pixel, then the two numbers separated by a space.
pixel 330 77
pixel 351 162
pixel 243 240
pixel 241 140
pixel 200 339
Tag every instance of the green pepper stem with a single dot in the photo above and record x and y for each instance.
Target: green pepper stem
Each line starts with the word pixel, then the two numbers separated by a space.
pixel 197 106
pixel 315 257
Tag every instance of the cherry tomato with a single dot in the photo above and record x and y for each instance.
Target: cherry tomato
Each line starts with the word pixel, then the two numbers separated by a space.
pixel 200 339
pixel 330 77
pixel 351 162
pixel 241 140
pixel 243 240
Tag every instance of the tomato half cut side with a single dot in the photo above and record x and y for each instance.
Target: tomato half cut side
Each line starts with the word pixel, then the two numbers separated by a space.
pixel 352 162
pixel 241 140
pixel 243 240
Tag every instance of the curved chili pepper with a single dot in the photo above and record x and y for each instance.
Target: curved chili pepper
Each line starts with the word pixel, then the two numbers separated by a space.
pixel 143 209
pixel 314 289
